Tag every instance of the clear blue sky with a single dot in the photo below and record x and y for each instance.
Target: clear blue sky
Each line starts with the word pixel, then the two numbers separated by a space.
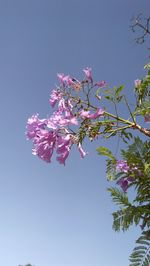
pixel 52 215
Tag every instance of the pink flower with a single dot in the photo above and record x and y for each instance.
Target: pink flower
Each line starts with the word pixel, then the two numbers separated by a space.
pixel 124 183
pixel 63 148
pixel 44 144
pixel 88 73
pixel 86 114
pixel 61 77
pixel 69 104
pixel 101 83
pixel 54 97
pixel 72 82
pixel 62 106
pixel 63 143
pixel 51 124
pixel 34 124
pixel 73 120
pixel 122 166
pixel 69 80
pixel 137 83
pixel 59 119
pixel 65 106
pixel 62 158
pixel 99 112
pixel 82 152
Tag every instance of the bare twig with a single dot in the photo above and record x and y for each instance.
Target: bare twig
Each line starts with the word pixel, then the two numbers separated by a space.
pixel 142 26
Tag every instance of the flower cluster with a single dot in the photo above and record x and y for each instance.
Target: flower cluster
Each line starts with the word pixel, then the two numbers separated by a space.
pixel 128 171
pixel 123 182
pixel 75 117
pixel 122 166
pixel 56 134
pixel 49 135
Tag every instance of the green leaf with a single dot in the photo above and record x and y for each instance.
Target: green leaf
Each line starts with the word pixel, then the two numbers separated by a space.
pixel 141 253
pixel 111 169
pixel 143 109
pixel 105 152
pixel 119 197
pixel 118 90
pixel 109 98
pixel 147 66
pixel 107 91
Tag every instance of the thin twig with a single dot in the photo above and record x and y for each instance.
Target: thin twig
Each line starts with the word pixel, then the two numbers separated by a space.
pixel 129 109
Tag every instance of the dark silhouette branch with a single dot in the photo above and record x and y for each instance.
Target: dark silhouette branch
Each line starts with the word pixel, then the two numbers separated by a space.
pixel 142 26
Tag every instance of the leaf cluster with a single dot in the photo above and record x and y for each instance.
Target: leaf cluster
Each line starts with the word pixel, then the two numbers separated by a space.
pixel 114 95
pixel 141 253
pixel 137 211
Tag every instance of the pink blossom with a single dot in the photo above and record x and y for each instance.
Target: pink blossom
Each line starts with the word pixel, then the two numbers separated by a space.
pixel 99 112
pixel 69 104
pixel 54 97
pixel 69 80
pixel 65 106
pixel 61 77
pixel 62 158
pixel 124 183
pixel 58 119
pixel 63 122
pixel 86 114
pixel 88 73
pixel 101 83
pixel 63 148
pixel 82 152
pixel 63 143
pixel 51 124
pixel 62 106
pixel 137 83
pixel 33 125
pixel 73 120
pixel 44 144
pixel 122 166
pixel 72 82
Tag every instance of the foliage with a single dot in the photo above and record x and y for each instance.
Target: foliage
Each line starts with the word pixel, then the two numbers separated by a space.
pixel 141 253
pixel 137 211
pixel 81 111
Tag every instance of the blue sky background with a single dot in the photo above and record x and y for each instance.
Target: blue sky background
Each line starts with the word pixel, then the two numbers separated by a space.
pixel 52 215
